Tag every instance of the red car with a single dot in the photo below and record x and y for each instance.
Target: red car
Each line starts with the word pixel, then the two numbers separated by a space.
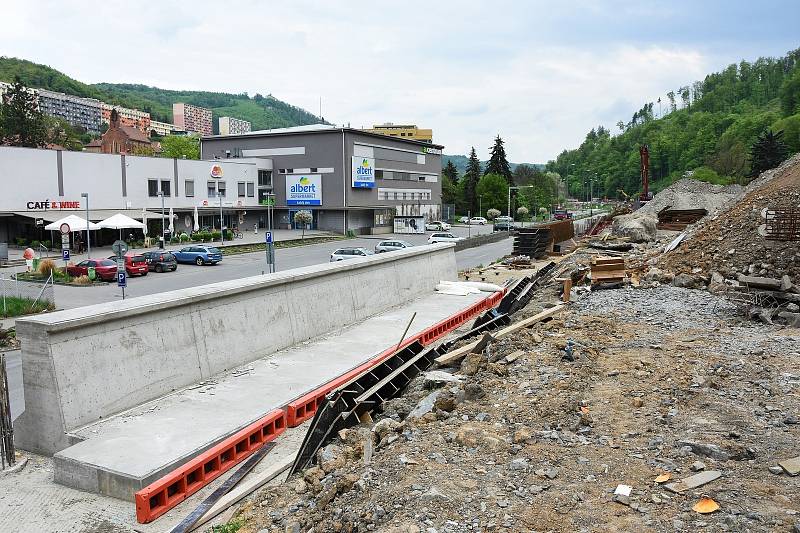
pixel 105 269
pixel 135 264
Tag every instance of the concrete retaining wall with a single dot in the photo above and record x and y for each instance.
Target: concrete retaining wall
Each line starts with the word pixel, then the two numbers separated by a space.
pixel 480 240
pixel 84 364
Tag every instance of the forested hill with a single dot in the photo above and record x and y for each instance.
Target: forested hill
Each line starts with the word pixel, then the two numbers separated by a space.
pixel 460 162
pixel 262 111
pixel 708 126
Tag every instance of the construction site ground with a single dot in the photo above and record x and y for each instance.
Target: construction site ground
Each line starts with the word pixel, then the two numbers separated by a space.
pixel 622 387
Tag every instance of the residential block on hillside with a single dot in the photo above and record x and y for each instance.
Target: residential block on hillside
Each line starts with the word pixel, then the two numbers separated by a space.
pixel 233 126
pixel 127 117
pixel 407 131
pixel 191 118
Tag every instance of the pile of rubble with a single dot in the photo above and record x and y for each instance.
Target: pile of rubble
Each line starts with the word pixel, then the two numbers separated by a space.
pixel 626 411
pixel 689 193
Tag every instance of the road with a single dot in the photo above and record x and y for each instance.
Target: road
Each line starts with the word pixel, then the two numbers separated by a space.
pixel 253 264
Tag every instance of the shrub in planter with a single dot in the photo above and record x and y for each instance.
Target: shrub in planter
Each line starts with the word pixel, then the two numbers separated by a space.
pixel 46 267
pixel 228 235
pixel 21 241
pixel 216 235
pixel 174 240
pixel 82 280
pixel 184 237
pixel 47 244
pixel 35 245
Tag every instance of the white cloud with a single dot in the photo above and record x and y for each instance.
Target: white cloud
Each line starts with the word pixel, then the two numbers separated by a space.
pixel 462 68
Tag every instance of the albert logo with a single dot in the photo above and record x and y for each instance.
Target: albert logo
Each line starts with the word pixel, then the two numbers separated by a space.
pixel 304 185
pixel 364 169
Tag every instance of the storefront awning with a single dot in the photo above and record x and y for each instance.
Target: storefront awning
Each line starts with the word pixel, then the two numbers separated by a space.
pixel 95 215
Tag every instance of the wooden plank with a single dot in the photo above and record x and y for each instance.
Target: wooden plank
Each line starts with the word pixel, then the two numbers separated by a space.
pixel 244 490
pixel 458 353
pixel 187 524
pixel 567 290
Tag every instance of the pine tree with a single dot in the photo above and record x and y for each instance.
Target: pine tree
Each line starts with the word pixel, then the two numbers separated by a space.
pixel 471 178
pixel 498 164
pixel 450 171
pixel 21 122
pixel 767 152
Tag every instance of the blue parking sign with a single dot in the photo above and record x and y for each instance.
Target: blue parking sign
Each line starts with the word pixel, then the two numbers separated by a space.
pixel 122 279
pixel 268 237
pixel 65 254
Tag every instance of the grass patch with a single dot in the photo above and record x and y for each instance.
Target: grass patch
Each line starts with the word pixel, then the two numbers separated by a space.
pixel 231 527
pixel 60 277
pixel 237 249
pixel 13 306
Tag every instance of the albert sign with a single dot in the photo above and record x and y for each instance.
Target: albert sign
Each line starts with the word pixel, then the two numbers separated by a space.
pixel 303 189
pixel 44 205
pixel 363 172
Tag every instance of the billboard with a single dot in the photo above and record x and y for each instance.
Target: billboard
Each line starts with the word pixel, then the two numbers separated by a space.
pixel 363 172
pixel 303 189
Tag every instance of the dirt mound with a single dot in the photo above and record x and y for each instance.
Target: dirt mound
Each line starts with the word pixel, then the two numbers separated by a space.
pixel 693 194
pixel 730 243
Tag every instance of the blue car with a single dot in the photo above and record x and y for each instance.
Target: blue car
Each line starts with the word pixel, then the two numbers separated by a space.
pixel 199 255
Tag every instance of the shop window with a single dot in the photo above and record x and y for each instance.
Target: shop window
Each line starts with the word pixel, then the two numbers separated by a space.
pixel 152 188
pixel 188 188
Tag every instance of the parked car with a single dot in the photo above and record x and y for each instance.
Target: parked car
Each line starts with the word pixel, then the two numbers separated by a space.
pixel 106 269
pixel 135 264
pixel 390 246
pixel 478 220
pixel 437 225
pixel 160 261
pixel 443 237
pixel 502 225
pixel 503 218
pixel 562 214
pixel 349 253
pixel 199 255
pixel 463 220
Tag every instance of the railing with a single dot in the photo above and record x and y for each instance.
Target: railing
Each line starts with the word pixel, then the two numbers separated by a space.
pixel 24 297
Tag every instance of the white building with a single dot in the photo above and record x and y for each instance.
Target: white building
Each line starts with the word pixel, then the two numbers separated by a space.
pixel 162 128
pixel 233 126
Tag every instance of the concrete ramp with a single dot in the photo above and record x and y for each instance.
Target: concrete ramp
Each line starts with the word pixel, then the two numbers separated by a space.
pixel 131 450
pixel 87 364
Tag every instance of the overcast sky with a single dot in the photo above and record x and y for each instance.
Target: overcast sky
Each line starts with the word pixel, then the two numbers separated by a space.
pixel 540 74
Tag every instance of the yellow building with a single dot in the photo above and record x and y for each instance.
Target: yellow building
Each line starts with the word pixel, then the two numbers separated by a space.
pixel 406 131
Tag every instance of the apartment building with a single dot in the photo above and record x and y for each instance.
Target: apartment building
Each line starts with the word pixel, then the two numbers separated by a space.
pixel 84 113
pixel 127 117
pixel 192 118
pixel 162 128
pixel 404 131
pixel 233 126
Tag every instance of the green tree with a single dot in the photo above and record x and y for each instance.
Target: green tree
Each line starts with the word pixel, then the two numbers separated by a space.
pixel 450 171
pixel 498 164
pixel 449 190
pixel 180 147
pixel 471 178
pixel 493 190
pixel 526 174
pixel 790 126
pixel 21 122
pixel 767 152
pixel 303 218
pixel 790 94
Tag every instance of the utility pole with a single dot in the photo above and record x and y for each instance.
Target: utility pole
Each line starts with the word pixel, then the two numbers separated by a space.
pixel 221 228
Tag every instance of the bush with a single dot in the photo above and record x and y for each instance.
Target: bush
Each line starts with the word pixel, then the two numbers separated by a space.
pixel 216 235
pixel 491 214
pixel 21 241
pixel 35 245
pixel 48 244
pixel 174 240
pixel 228 234
pixel 82 280
pixel 184 237
pixel 46 267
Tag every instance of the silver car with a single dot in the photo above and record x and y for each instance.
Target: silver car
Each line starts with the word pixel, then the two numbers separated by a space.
pixel 349 253
pixel 391 246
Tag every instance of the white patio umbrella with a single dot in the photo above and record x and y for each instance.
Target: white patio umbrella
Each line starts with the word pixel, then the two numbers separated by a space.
pixel 171 223
pixel 75 223
pixel 144 220
pixel 196 226
pixel 120 222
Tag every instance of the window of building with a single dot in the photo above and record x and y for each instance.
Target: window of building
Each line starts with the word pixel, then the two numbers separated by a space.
pixel 212 189
pixel 379 173
pixel 313 170
pixel 265 178
pixel 240 189
pixel 251 189
pixel 188 188
pixel 165 187
pixel 221 188
pixel 152 188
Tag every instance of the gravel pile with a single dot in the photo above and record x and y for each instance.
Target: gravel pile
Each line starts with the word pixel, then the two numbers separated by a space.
pixel 689 193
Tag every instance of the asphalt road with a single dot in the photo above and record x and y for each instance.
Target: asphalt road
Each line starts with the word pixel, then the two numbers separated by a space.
pixel 244 265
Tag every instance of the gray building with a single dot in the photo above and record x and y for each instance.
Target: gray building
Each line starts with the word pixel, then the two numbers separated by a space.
pixel 351 180
pixel 85 113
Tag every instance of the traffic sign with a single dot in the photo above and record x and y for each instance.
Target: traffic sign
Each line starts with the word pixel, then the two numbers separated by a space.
pixel 65 241
pixel 119 247
pixel 65 254
pixel 122 279
pixel 64 228
pixel 268 237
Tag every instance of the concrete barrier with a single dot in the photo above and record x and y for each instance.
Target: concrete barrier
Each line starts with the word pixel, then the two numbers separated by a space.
pixel 84 364
pixel 480 240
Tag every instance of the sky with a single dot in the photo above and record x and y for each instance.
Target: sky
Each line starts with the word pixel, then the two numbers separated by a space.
pixel 540 74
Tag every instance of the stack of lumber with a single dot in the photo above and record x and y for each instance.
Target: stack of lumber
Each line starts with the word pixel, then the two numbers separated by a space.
pixel 608 270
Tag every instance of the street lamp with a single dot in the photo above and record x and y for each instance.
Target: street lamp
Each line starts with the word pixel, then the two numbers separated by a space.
pixel 88 243
pixel 163 229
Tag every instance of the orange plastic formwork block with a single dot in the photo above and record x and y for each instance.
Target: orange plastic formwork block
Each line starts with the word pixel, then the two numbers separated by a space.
pixel 162 495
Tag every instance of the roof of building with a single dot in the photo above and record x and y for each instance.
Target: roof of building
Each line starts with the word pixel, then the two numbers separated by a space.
pixel 94 143
pixel 317 128
pixel 135 134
